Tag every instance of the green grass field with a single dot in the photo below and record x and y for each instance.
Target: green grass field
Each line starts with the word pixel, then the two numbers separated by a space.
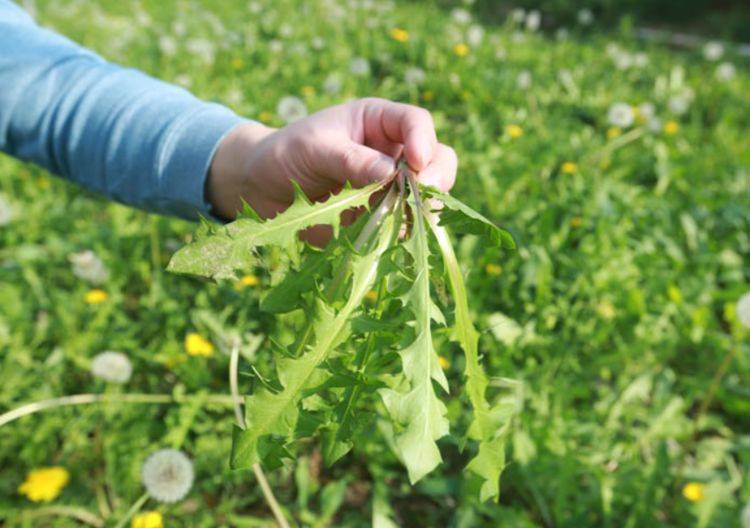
pixel 613 328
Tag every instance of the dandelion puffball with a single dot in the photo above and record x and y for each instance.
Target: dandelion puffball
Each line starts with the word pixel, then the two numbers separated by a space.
pixel 620 115
pixel 88 266
pixel 114 367
pixel 291 109
pixel 743 310
pixel 167 475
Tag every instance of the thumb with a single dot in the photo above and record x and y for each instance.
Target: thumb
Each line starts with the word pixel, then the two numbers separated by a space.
pixel 361 165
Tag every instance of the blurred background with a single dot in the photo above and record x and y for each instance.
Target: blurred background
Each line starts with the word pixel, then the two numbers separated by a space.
pixel 611 137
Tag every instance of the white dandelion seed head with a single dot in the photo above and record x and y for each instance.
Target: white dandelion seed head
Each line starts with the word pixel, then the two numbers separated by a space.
pixel 647 110
pixel 414 76
pixel 745 516
pixel 255 7
pixel 743 310
pixel 518 15
pixel 88 266
pixel 474 35
pixel 623 60
pixel 168 45
pixel 523 80
pixel 562 34
pixel 6 211
pixel 680 103
pixel 114 367
pixel 517 37
pixel 203 49
pixel 359 67
pixel 620 115
pixel 167 475
pixel 461 16
pixel 713 51
pixel 501 54
pixel 655 124
pixel 286 30
pixel 533 20
pixel 179 28
pixel 291 109
pixel 585 17
pixel 234 96
pixel 317 43
pixel 725 71
pixel 184 80
pixel 612 49
pixel 640 60
pixel 565 77
pixel 332 84
pixel 276 46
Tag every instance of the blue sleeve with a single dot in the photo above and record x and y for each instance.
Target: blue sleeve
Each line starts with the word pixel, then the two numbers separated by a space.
pixel 110 129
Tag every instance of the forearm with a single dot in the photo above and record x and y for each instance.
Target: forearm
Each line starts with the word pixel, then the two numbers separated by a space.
pixel 113 130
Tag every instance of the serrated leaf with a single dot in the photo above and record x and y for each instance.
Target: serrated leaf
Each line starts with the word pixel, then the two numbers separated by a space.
pixel 464 219
pixel 277 413
pixel 419 411
pixel 223 251
pixel 287 294
pixel 490 460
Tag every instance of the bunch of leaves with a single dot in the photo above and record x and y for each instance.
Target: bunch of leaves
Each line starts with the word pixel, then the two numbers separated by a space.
pixel 354 359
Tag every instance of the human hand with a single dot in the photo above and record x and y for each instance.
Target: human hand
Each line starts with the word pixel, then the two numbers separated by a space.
pixel 357 141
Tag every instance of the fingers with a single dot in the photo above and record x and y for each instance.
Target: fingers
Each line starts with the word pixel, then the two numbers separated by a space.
pixel 389 122
pixel 441 171
pixel 361 165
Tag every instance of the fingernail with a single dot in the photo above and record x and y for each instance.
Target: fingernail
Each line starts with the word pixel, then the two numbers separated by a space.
pixel 383 168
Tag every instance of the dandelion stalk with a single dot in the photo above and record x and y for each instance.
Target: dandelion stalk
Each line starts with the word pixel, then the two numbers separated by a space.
pixel 135 508
pixel 273 504
pixel 85 399
pixel 79 514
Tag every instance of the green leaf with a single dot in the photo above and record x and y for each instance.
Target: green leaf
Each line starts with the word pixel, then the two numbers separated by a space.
pixel 419 411
pixel 277 413
pixel 490 460
pixel 224 250
pixel 287 294
pixel 464 219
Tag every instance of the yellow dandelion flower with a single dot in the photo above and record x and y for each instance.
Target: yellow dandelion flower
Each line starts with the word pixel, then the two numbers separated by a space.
pixel 461 50
pixel 569 167
pixel 576 222
pixel 694 491
pixel 44 182
pixel 197 345
pixel 152 519
pixel 265 116
pixel 237 63
pixel 401 35
pixel 371 296
pixel 308 91
pixel 444 363
pixel 514 131
pixel 428 96
pixel 493 269
pixel 613 132
pixel 247 281
pixel 606 310
pixel 671 128
pixel 96 296
pixel 44 484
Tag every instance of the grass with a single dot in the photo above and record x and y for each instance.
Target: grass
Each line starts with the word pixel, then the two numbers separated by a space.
pixel 608 327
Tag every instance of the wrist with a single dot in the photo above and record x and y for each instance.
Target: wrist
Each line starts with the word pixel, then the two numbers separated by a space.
pixel 228 174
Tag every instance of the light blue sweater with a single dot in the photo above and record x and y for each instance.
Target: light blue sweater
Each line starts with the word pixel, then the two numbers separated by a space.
pixel 110 129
